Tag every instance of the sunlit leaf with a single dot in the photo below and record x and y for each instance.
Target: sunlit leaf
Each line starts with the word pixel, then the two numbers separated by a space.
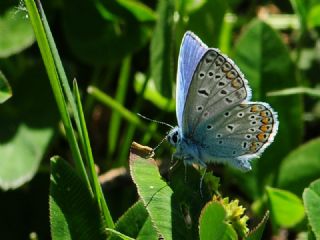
pixel 212 223
pixel 15 31
pixel 311 199
pixel 300 167
pixel 286 208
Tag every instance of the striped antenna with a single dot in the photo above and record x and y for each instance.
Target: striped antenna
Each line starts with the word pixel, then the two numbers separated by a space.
pixel 163 123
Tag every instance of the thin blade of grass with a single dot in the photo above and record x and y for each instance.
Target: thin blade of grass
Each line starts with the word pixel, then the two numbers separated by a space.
pixel 297 90
pixel 120 97
pixel 50 65
pixel 90 161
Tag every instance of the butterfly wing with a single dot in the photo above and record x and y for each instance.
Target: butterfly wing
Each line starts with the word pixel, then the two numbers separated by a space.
pixel 191 51
pixel 219 117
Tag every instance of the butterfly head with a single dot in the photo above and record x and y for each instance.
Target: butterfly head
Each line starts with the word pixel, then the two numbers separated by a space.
pixel 173 136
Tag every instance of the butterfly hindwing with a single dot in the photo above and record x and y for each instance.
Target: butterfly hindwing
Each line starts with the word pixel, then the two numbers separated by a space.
pixel 243 132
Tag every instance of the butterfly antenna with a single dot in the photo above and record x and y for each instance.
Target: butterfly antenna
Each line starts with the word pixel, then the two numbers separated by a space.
pixel 152 120
pixel 154 149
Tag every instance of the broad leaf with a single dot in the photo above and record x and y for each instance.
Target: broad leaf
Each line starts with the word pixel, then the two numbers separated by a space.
pixel 174 209
pixel 304 162
pixel 29 119
pixel 73 212
pixel 109 32
pixel 154 192
pixel 267 71
pixel 162 49
pixel 256 233
pixel 134 222
pixel 286 208
pixel 15 31
pixel 311 199
pixel 207 21
pixel 212 223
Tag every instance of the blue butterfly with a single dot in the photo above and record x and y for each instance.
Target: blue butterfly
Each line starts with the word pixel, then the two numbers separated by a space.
pixel 217 123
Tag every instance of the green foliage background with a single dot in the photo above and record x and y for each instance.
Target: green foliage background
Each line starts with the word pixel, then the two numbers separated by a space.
pixel 123 54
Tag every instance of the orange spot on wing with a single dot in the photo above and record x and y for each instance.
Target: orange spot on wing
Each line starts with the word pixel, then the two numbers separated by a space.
pixel 254 108
pixel 263 137
pixel 264 128
pixel 266 120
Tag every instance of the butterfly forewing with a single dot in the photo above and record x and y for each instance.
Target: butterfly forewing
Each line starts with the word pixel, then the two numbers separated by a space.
pixel 191 51
pixel 216 86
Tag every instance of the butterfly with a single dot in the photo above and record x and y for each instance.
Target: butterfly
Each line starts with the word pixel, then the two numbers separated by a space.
pixel 217 123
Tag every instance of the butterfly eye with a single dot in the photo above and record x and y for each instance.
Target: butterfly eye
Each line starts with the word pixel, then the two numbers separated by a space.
pixel 175 138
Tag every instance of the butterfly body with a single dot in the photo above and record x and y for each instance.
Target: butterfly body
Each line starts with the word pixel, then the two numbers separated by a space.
pixel 216 120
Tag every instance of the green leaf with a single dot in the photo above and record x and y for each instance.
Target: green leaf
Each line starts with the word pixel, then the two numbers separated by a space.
pixel 141 12
pixel 154 192
pixel 15 31
pixel 314 17
pixel 304 162
pixel 311 199
pixel 207 21
pixel 29 119
pixel 133 221
pixel 286 208
pixel 152 94
pixel 175 214
pixel 300 8
pixel 148 231
pixel 267 71
pixel 162 49
pixel 212 223
pixel 97 40
pixel 5 89
pixel 121 93
pixel 119 234
pixel 73 212
pixel 256 233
